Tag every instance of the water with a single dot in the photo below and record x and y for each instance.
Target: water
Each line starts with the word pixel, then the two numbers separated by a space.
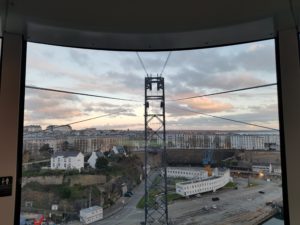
pixel 274 221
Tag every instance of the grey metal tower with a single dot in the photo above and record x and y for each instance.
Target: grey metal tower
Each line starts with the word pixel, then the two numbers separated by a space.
pixel 156 203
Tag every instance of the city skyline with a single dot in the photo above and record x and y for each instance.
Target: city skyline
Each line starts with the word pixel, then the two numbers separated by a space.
pixel 120 74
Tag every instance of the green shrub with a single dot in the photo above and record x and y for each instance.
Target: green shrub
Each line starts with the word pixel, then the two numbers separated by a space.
pixel 230 185
pixel 64 192
pixel 173 196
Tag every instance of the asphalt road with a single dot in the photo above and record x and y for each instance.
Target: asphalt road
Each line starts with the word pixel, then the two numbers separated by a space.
pixel 129 214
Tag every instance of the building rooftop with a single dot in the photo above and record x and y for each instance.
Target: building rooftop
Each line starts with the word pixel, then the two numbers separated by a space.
pixel 201 169
pixel 200 180
pixel 66 154
pixel 91 209
pixel 99 154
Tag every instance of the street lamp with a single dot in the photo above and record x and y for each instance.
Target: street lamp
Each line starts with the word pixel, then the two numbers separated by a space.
pixel 261 174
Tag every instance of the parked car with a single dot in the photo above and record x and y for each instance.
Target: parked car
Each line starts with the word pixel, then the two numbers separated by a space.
pixel 127 194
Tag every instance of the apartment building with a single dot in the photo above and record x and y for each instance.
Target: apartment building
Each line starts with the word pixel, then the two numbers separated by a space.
pixel 194 187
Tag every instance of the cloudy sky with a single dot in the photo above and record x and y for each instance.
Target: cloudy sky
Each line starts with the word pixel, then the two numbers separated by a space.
pixel 120 74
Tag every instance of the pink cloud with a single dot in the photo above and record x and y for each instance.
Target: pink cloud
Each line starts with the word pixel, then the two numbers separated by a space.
pixel 208 105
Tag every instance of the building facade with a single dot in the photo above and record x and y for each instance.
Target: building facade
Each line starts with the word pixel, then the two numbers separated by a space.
pixel 250 140
pixel 93 158
pixel 62 129
pixel 187 173
pixel 67 160
pixel 32 128
pixel 267 169
pixel 91 214
pixel 89 140
pixel 194 187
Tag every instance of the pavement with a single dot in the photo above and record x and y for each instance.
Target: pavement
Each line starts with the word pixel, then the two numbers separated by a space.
pixel 243 206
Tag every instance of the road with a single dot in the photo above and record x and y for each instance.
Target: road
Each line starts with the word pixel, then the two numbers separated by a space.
pixel 129 214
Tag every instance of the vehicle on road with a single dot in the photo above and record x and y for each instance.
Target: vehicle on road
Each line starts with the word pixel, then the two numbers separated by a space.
pixel 127 194
pixel 215 199
pixel 205 208
pixel 261 192
pixel 130 192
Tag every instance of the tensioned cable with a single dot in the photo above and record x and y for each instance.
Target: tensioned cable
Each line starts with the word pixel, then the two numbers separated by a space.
pixel 93 118
pixel 141 61
pixel 133 100
pixel 223 118
pixel 224 92
pixel 80 121
pixel 166 62
pixel 164 66
pixel 79 93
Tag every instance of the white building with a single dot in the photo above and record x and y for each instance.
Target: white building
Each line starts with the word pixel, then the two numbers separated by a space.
pixel 91 214
pixel 67 160
pixel 147 169
pixel 268 169
pixel 118 150
pixel 54 207
pixel 124 188
pixel 194 187
pixel 262 168
pixel 187 172
pixel 277 170
pixel 93 158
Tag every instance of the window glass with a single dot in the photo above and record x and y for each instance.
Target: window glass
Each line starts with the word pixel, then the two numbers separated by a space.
pixel 83 148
